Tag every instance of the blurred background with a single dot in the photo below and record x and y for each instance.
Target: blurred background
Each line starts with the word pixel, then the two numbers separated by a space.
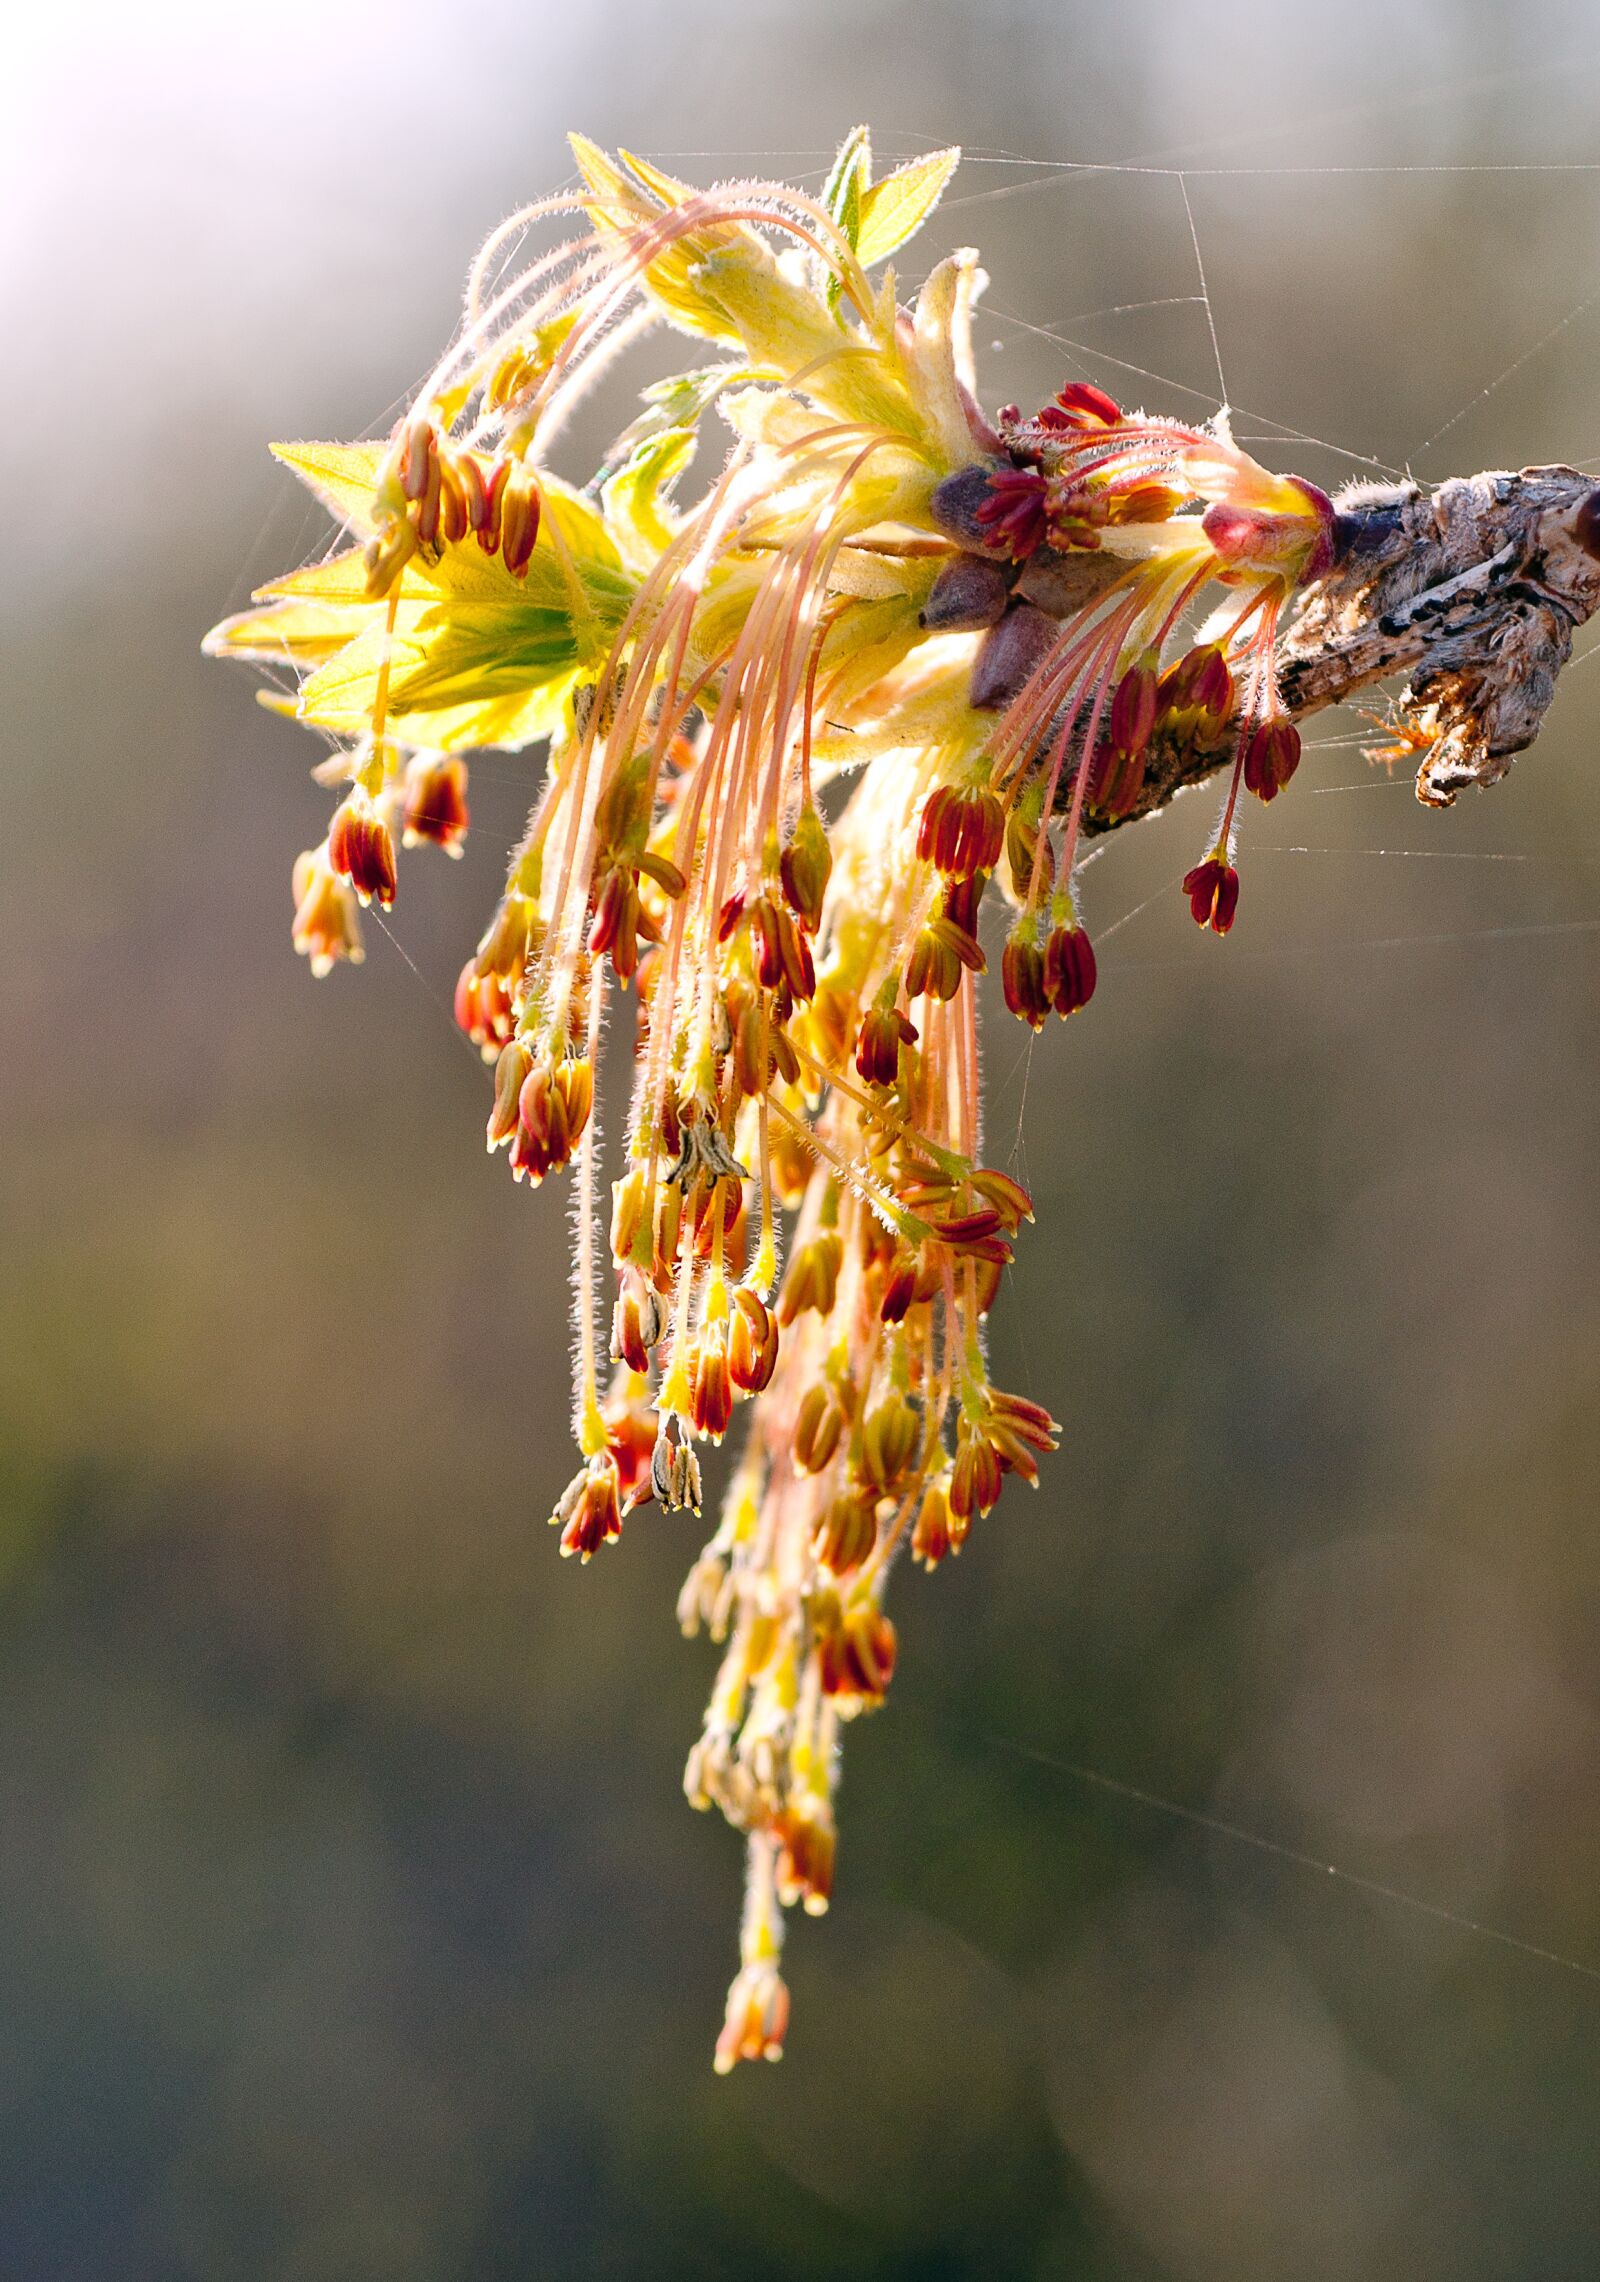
pixel 352 1928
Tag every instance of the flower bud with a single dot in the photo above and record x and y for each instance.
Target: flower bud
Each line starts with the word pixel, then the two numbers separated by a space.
pixel 510 1071
pixel 937 1532
pixel 884 1030
pixel 962 830
pixel 819 1422
pixel 752 1342
pixel 1022 977
pixel 812 1280
pixel 970 592
pixel 757 2017
pixel 590 1514
pixel 804 869
pixel 711 1403
pixel 846 1532
pixel 327 925
pixel 976 1481
pixel 1133 706
pixel 1271 757
pixel 435 801
pixel 484 1010
pixel 1213 891
pixel 1008 656
pixel 890 1434
pixel 361 847
pixel 1069 969
pixel 857 1658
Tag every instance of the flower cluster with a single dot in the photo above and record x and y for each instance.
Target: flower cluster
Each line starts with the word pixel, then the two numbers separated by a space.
pixel 880 675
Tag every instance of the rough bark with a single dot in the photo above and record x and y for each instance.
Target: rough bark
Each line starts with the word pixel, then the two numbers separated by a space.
pixel 1472 591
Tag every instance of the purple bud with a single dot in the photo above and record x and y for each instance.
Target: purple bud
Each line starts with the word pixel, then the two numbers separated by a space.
pixel 1008 655
pixel 969 592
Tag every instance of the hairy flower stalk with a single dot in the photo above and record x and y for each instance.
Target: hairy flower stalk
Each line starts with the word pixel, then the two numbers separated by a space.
pixel 883 672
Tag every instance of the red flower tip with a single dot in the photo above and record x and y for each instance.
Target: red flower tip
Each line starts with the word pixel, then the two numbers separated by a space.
pixel 1070 970
pixel 1213 892
pixel 1014 514
pixel 1271 758
pixel 361 850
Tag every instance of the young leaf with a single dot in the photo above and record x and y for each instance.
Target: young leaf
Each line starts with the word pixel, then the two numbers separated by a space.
pixel 843 195
pixel 894 209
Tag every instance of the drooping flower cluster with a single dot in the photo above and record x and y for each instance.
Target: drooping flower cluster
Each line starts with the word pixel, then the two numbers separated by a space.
pixel 804 729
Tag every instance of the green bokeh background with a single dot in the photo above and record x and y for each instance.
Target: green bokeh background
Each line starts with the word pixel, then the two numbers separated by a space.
pixel 352 1928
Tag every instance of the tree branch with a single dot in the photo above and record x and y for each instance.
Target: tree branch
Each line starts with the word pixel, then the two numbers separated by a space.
pixel 1473 591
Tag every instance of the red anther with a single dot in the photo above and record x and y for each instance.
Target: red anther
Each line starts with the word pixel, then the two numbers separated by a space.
pixel 846 1533
pixel 1087 406
pixel 519 525
pixel 1070 970
pixel 884 1030
pixel 1271 758
pixel 485 518
pixel 590 1513
pixel 1014 515
pixel 429 505
pixel 1213 892
pixel 963 1228
pixel 484 1009
pixel 857 1660
pixel 805 867
pixel 711 1399
pixel 615 928
pixel 419 458
pixel 1133 707
pixel 900 1292
pixel 361 848
pixel 962 830
pixel 452 503
pixel 509 1073
pixel 1022 979
pixel 730 915
pixel 976 1482
pixel 436 801
pixel 752 1342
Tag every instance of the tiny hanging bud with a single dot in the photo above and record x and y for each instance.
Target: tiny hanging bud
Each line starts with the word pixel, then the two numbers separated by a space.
pixel 1070 970
pixel 804 869
pixel 819 1422
pixel 711 1403
pixel 510 1072
pixel 1133 706
pixel 938 1531
pixel 813 1278
pixel 1271 758
pixel 962 830
pixel 884 1031
pixel 846 1533
pixel 327 924
pixel 1213 892
pixel 752 1342
pixel 590 1512
pixel 890 1434
pixel 361 848
pixel 1022 976
pixel 435 802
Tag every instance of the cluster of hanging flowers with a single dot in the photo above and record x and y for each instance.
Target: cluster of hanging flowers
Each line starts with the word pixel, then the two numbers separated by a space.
pixel 809 732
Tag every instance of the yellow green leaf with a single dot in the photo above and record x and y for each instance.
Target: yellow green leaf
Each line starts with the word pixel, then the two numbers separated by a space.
pixel 343 476
pixel 894 209
pixel 633 495
pixel 666 187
